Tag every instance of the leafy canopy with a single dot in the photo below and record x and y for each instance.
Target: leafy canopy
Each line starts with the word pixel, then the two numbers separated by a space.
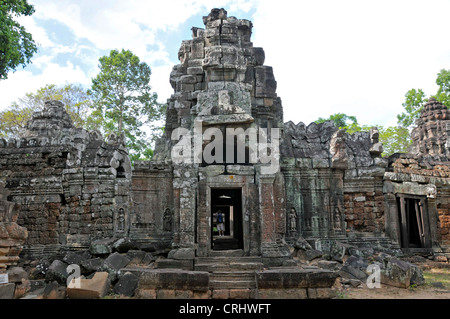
pixel 16 44
pixel 125 103
pixel 340 120
pixel 416 99
pixel 78 104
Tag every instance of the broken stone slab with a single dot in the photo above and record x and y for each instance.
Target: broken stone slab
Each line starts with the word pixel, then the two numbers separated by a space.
pixel 361 252
pixel 339 250
pixel 54 291
pixel 22 288
pixel 309 255
pixel 139 257
pixel 90 266
pixel 94 288
pixel 329 264
pixel 17 274
pixel 113 264
pixel 351 282
pixel 7 291
pixel 402 274
pixel 74 258
pixel 182 254
pixel 357 262
pixel 57 272
pixel 351 272
pixel 102 246
pixel 123 245
pixel 126 285
pixel 301 243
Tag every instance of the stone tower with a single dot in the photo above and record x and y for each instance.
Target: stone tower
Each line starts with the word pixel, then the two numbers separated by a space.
pixel 223 107
pixel 430 134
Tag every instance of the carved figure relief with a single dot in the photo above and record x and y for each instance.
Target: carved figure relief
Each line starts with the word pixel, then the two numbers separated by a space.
pixel 167 219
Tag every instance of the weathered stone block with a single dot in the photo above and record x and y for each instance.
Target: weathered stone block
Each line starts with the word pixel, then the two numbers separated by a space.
pixel 57 272
pixel 94 288
pixel 7 291
pixel 174 279
pixel 126 285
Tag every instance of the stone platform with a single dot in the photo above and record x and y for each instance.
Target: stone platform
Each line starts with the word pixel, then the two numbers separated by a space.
pixel 234 278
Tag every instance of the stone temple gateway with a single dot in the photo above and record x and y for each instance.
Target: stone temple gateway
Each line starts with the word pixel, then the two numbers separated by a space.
pixel 321 186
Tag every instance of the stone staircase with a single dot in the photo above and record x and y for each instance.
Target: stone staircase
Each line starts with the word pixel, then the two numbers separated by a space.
pixel 230 272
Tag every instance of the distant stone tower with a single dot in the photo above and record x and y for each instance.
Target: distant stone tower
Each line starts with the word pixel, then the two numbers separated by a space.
pixel 430 134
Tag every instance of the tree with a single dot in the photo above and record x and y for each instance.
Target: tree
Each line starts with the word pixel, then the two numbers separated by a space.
pixel 124 101
pixel 78 104
pixel 413 105
pixel 395 139
pixel 416 99
pixel 340 120
pixel 443 93
pixel 16 44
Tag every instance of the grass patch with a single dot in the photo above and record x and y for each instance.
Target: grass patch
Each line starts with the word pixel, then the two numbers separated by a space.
pixel 441 275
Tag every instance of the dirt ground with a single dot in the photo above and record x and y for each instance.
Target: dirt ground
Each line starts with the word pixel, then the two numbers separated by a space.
pixel 437 286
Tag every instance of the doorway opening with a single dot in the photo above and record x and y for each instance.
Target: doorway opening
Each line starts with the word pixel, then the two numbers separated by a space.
pixel 229 202
pixel 411 214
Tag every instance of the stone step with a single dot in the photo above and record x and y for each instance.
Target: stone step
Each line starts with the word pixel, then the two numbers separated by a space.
pixel 230 267
pixel 233 276
pixel 227 253
pixel 239 284
pixel 223 260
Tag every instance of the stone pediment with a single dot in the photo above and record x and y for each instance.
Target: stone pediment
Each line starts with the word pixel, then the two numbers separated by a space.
pixel 220 109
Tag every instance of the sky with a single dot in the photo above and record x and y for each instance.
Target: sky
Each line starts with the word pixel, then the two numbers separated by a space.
pixel 353 57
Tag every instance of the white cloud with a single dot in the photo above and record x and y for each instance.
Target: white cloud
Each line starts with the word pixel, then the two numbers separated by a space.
pixel 23 81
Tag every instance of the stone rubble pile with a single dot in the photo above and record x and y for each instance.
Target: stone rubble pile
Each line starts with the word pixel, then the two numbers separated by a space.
pixel 102 268
pixel 355 265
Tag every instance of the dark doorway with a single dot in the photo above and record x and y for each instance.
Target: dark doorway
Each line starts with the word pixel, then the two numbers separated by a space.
pixel 411 214
pixel 229 202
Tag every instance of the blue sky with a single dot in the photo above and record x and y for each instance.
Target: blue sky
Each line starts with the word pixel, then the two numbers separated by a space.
pixel 349 56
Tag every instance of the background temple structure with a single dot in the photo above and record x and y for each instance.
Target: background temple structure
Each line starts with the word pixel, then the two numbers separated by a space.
pixel 328 188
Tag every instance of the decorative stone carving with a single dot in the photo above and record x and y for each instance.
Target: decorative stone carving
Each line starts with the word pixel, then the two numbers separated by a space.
pixel 292 220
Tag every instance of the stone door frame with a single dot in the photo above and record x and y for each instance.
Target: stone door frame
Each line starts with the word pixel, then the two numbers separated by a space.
pixel 204 214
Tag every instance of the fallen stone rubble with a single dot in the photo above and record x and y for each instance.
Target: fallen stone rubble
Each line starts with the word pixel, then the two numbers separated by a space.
pixel 108 269
pixel 357 266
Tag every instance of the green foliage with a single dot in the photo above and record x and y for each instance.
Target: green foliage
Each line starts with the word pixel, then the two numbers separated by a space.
pixel 443 93
pixel 124 102
pixel 395 139
pixel 413 105
pixel 415 100
pixel 16 44
pixel 13 120
pixel 340 120
pixel 77 102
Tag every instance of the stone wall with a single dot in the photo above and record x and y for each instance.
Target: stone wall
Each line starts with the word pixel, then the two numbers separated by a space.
pixel 152 220
pixel 71 184
pixel 333 180
pixel 12 236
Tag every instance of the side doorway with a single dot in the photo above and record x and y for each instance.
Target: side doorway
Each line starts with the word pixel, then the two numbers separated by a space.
pixel 413 221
